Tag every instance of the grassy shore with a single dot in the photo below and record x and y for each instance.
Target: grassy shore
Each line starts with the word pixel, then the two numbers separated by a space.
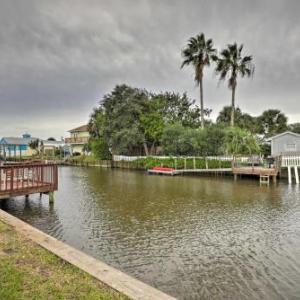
pixel 27 271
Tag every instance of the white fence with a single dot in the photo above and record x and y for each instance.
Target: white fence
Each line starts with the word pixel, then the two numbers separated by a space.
pixel 220 158
pixel 290 161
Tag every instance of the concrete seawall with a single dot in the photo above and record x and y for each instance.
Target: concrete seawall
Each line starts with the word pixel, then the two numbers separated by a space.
pixel 114 278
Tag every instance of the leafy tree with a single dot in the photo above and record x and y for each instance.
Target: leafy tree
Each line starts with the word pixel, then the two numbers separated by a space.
pixel 198 53
pixel 294 127
pixel 224 116
pixel 239 141
pixel 131 121
pixel 272 122
pixel 232 64
pixel 96 123
pixel 100 149
pixel 248 122
pixel 35 145
pixel 180 140
pixel 214 140
pixel 242 120
pixel 122 129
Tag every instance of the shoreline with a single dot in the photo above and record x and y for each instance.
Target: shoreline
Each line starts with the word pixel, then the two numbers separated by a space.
pixel 109 276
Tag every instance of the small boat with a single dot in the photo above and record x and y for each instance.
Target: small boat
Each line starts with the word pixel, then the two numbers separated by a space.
pixel 162 170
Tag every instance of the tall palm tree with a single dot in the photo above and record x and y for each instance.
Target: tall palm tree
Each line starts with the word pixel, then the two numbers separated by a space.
pixel 232 64
pixel 198 53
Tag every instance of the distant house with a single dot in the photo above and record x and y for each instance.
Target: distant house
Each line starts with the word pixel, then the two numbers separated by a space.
pixel 286 143
pixel 49 147
pixel 16 146
pixel 79 136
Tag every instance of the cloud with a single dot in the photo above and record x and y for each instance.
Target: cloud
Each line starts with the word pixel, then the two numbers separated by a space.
pixel 58 58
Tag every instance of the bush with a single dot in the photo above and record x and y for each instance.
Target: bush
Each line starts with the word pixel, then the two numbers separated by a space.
pixel 100 149
pixel 178 163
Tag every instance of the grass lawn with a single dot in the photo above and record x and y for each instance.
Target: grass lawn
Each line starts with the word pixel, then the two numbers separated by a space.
pixel 27 271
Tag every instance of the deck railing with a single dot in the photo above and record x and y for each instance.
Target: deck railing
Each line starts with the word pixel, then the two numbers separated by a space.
pixel 77 140
pixel 290 161
pixel 28 177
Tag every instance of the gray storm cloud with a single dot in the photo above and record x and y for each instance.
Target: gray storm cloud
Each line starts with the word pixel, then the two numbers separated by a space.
pixel 58 58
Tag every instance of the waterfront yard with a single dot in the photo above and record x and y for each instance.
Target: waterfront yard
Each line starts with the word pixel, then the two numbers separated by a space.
pixel 27 271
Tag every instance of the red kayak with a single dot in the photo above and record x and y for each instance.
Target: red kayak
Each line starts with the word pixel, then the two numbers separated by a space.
pixel 162 169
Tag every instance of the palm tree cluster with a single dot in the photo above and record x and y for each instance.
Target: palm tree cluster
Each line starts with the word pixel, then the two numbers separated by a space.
pixel 230 64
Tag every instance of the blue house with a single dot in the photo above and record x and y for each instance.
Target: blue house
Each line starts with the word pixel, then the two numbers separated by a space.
pixel 16 146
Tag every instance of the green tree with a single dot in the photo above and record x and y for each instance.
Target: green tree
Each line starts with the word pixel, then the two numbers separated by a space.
pixel 295 127
pixel 214 139
pixel 131 121
pixel 176 108
pixel 36 145
pixel 100 149
pixel 272 122
pixel 122 129
pixel 242 120
pixel 96 123
pixel 240 141
pixel 232 64
pixel 224 116
pixel 198 53
pixel 181 140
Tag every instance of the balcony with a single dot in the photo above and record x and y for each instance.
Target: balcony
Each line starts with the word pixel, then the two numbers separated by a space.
pixel 77 140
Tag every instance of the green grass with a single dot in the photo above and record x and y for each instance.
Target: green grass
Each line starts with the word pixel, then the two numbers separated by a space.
pixel 27 271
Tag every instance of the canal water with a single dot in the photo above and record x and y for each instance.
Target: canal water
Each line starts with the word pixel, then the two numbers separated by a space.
pixel 192 237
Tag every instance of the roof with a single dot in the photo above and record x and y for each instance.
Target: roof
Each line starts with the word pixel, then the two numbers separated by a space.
pixel 53 143
pixel 82 128
pixel 284 133
pixel 17 140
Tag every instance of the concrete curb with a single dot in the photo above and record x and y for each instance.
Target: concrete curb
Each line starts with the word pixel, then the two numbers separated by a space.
pixel 114 278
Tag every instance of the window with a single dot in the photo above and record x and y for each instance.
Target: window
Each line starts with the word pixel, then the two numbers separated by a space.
pixel 290 147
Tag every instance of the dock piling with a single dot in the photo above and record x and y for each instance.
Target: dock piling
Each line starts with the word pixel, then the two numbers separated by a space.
pixel 290 174
pixel 51 197
pixel 296 174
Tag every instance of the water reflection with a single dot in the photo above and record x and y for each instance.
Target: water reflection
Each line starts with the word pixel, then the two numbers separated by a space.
pixel 208 238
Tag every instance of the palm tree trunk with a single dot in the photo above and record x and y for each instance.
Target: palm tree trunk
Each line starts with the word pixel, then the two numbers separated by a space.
pixel 146 148
pixel 201 103
pixel 232 106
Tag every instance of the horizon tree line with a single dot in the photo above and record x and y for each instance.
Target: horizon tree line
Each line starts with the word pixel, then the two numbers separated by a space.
pixel 230 64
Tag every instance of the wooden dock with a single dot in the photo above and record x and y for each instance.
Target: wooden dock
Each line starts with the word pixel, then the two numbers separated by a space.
pixel 190 171
pixel 263 173
pixel 27 178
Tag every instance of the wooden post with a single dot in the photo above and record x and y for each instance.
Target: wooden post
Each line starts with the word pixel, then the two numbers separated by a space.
pixel 175 163
pixel 185 163
pixel 290 174
pixel 235 177
pixel 206 163
pixel 194 162
pixel 51 197
pixel 296 174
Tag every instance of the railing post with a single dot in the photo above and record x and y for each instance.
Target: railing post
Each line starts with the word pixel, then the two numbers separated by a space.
pixel 11 178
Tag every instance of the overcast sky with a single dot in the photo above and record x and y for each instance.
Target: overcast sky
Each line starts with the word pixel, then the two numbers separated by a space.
pixel 58 58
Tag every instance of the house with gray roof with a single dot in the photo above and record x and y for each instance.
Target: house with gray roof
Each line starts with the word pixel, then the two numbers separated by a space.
pixel 286 143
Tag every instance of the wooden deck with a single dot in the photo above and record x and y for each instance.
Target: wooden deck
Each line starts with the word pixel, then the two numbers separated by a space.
pixel 25 179
pixel 259 171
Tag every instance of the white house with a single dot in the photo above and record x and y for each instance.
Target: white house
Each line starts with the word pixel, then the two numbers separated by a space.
pixel 286 143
